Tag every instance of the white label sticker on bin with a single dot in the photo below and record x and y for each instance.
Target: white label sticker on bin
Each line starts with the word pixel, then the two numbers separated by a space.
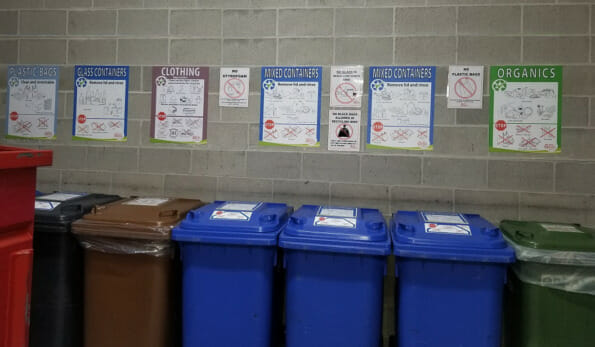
pixel 337 212
pixel 335 222
pixel 240 206
pixel 231 215
pixel 563 228
pixel 449 218
pixel 60 196
pixel 146 202
pixel 46 205
pixel 455 229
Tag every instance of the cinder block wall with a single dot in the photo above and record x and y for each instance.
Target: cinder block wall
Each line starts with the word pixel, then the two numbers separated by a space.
pixel 460 175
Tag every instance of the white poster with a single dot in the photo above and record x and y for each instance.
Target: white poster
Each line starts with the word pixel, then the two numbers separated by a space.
pixel 290 106
pixel 401 107
pixel 179 104
pixel 234 86
pixel 100 103
pixel 346 86
pixel 465 87
pixel 32 101
pixel 344 130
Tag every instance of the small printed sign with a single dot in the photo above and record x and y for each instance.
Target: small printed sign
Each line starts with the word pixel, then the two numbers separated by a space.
pixel 465 87
pixel 234 86
pixel 455 229
pixel 344 130
pixel 448 218
pixel 231 215
pixel 347 86
pixel 146 202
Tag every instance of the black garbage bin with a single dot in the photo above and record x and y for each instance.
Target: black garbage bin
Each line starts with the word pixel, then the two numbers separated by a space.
pixel 57 283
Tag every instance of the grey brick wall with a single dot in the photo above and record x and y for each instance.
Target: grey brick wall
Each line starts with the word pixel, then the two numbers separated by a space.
pixel 460 175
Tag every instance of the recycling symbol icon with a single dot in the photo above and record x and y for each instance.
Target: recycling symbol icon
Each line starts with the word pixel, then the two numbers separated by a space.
pixel 268 84
pixel 13 82
pixel 499 85
pixel 377 85
pixel 81 82
pixel 161 81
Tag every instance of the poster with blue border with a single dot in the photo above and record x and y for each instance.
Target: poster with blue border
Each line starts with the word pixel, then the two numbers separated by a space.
pixel 32 101
pixel 290 106
pixel 100 103
pixel 401 107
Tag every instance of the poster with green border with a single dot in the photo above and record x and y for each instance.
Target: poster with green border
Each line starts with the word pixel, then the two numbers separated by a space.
pixel 526 109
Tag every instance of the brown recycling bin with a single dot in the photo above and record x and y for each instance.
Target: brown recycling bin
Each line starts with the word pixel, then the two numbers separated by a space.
pixel 130 274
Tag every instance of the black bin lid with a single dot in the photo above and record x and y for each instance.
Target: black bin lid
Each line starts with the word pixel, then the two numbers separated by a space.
pixel 62 208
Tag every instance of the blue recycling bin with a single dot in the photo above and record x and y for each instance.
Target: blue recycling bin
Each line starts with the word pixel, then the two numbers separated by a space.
pixel 452 271
pixel 335 259
pixel 228 252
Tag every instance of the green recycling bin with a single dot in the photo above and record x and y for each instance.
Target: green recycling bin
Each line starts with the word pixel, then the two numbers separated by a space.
pixel 550 296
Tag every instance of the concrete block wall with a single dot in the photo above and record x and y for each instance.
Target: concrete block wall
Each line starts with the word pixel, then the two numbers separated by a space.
pixel 460 175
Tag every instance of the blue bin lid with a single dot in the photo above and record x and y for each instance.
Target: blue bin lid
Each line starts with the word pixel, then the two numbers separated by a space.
pixel 448 236
pixel 234 222
pixel 337 229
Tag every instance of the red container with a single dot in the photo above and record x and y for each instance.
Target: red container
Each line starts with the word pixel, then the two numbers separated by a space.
pixel 17 184
pixel 17 201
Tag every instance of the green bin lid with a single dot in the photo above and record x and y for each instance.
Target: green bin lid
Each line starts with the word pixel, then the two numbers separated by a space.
pixel 550 236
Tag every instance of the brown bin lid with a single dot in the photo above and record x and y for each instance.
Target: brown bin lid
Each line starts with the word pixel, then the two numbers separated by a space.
pixel 136 218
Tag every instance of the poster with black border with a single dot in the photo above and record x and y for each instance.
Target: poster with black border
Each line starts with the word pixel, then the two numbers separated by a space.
pixel 290 106
pixel 401 107
pixel 32 101
pixel 100 102
pixel 526 109
pixel 179 104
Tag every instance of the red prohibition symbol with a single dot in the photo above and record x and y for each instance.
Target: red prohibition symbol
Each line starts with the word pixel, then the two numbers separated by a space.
pixel 14 115
pixel 234 88
pixel 82 118
pixel 161 116
pixel 269 124
pixel 345 93
pixel 465 87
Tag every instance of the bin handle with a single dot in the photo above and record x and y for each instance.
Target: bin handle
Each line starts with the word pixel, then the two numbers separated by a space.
pixel 524 235
pixel 97 208
pixel 19 298
pixel 169 213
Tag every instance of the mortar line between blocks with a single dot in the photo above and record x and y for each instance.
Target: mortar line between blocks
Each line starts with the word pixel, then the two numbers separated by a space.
pixel 168 35
pixel 456 42
pixel 277 36
pixel 522 34
pixel 118 36
pixel 518 205
pixel 334 36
